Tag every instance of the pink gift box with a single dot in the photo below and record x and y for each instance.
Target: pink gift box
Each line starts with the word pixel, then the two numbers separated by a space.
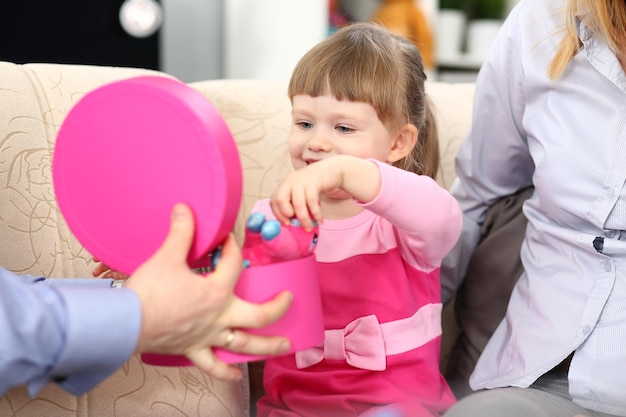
pixel 302 324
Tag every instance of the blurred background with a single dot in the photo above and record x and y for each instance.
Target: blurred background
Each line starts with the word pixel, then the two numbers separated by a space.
pixel 259 39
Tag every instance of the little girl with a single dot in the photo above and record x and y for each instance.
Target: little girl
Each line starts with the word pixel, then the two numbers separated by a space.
pixel 365 151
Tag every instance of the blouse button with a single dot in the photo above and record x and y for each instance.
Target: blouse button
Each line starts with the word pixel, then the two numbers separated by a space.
pixel 607 266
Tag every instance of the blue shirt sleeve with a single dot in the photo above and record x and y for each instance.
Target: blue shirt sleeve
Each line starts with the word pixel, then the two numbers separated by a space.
pixel 72 333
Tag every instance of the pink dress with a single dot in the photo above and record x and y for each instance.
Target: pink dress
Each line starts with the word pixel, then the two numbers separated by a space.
pixel 379 273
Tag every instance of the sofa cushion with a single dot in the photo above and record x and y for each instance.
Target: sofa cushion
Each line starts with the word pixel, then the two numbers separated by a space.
pixel 493 271
pixel 452 105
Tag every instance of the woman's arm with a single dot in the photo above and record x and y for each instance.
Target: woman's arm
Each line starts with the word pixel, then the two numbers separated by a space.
pixel 494 159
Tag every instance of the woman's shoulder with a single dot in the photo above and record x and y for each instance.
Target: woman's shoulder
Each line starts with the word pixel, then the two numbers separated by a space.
pixel 539 12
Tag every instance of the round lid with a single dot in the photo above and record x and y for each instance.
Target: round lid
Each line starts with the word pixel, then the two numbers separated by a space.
pixel 127 152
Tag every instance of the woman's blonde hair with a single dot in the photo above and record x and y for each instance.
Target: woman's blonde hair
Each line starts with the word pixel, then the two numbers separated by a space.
pixel 606 18
pixel 366 63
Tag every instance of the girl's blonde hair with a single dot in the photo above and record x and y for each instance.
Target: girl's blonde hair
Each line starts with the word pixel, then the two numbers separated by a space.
pixel 607 20
pixel 366 63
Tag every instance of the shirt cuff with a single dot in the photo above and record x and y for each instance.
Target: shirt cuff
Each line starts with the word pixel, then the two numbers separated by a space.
pixel 103 328
pixel 76 282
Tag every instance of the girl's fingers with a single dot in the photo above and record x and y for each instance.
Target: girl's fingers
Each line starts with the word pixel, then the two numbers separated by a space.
pixel 313 210
pixel 281 204
pixel 315 207
pixel 99 269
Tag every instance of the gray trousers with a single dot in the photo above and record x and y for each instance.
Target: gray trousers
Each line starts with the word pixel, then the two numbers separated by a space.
pixel 547 397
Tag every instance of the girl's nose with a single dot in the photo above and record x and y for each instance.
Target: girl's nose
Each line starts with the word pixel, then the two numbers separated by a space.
pixel 318 142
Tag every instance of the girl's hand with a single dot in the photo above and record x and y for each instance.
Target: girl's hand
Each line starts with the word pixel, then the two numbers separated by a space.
pixel 299 194
pixel 103 271
pixel 338 177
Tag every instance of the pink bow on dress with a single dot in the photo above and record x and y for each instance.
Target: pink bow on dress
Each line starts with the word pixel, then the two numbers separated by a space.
pixel 360 344
pixel 365 343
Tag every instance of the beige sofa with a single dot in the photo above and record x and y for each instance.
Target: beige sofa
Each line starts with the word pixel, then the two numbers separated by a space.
pixel 34 238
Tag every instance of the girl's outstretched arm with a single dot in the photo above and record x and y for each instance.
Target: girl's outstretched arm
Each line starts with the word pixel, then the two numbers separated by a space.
pixel 338 177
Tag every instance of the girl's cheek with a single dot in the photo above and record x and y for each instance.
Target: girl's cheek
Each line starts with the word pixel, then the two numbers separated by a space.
pixel 297 163
pixel 295 148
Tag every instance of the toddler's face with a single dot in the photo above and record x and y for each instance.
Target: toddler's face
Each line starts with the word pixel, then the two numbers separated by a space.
pixel 324 126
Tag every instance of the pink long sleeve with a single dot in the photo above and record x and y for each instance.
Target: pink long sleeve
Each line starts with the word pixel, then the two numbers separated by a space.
pixel 427 217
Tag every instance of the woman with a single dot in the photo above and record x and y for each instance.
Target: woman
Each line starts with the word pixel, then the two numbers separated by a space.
pixel 550 111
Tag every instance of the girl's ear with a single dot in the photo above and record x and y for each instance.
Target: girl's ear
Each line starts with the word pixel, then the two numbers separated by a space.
pixel 403 143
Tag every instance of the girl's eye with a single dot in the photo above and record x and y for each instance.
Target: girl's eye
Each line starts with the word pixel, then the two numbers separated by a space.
pixel 305 125
pixel 344 129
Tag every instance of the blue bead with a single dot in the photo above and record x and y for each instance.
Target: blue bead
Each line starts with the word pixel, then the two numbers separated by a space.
pixel 255 222
pixel 270 229
pixel 215 257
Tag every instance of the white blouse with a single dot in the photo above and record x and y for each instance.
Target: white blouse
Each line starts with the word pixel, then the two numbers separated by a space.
pixel 567 138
